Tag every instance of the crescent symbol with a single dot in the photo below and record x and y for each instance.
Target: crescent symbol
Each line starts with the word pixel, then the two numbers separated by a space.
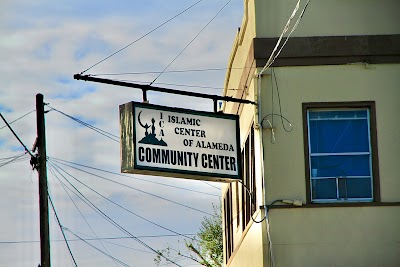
pixel 141 124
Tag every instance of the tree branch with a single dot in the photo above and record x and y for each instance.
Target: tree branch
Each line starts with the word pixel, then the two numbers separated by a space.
pixel 194 250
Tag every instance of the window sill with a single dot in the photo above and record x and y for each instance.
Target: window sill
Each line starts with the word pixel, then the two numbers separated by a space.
pixel 342 201
pixel 338 204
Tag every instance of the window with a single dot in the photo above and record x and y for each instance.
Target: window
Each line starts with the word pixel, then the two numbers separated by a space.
pixel 228 223
pixel 248 205
pixel 341 152
pixel 248 169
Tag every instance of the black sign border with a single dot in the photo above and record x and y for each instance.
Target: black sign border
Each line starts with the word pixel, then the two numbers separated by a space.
pixel 180 172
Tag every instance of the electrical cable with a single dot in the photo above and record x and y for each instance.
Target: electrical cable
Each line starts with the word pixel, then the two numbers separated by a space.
pixel 267 65
pixel 16 136
pixel 270 249
pixel 280 38
pixel 280 106
pixel 252 203
pixel 279 115
pixel 266 207
pixel 18 119
pixel 89 238
pixel 87 223
pixel 115 244
pixel 92 239
pixel 96 248
pixel 272 57
pixel 180 85
pixel 207 183
pixel 110 220
pixel 101 213
pixel 272 115
pixel 192 86
pixel 118 205
pixel 167 71
pixel 14 159
pixel 98 130
pixel 177 85
pixel 139 190
pixel 61 228
pixel 293 29
pixel 159 26
pixel 197 35
pixel 285 29
pixel 132 177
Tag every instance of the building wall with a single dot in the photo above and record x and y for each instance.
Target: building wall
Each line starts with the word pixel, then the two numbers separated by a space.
pixel 315 235
pixel 333 236
pixel 357 237
pixel 249 247
pixel 358 82
pixel 329 17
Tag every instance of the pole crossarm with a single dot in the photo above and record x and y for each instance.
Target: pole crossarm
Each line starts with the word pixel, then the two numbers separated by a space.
pixel 145 88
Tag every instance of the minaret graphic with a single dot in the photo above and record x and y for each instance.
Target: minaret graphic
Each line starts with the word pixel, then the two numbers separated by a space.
pixel 150 138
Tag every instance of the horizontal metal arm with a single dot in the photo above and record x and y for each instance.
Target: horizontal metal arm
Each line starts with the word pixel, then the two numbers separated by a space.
pixel 145 87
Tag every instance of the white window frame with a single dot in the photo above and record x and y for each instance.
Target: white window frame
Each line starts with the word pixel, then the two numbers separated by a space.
pixel 312 176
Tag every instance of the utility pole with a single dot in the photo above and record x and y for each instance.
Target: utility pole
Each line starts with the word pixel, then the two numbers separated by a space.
pixel 43 193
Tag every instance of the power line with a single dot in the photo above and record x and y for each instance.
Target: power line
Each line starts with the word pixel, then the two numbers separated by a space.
pixel 89 203
pixel 168 71
pixel 207 183
pixel 90 238
pixel 110 220
pixel 133 177
pixel 139 190
pixel 293 29
pixel 191 41
pixel 128 247
pixel 98 130
pixel 94 239
pixel 14 159
pixel 174 84
pixel 96 248
pixel 106 198
pixel 87 223
pixel 62 231
pixel 18 119
pixel 16 136
pixel 162 24
pixel 273 56
pixel 182 85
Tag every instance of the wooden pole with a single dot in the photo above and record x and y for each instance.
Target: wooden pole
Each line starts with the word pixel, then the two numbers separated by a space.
pixel 43 193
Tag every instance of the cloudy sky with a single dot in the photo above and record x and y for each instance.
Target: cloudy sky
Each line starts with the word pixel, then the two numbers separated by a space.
pixel 42 44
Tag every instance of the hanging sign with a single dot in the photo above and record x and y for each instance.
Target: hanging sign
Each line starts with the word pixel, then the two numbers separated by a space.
pixel 173 142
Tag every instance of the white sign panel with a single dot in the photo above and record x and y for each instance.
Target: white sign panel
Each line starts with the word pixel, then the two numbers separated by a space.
pixel 186 142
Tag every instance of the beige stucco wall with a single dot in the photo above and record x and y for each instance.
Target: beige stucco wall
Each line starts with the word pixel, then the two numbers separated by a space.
pixel 341 236
pixel 284 160
pixel 361 236
pixel 329 17
pixel 356 237
pixel 239 53
pixel 365 236
pixel 250 250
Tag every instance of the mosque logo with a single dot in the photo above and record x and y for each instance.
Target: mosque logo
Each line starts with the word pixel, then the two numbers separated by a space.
pixel 150 135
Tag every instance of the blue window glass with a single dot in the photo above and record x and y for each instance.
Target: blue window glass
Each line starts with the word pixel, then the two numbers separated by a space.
pixel 339 155
pixel 343 165
pixel 338 133
pixel 359 188
pixel 324 189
